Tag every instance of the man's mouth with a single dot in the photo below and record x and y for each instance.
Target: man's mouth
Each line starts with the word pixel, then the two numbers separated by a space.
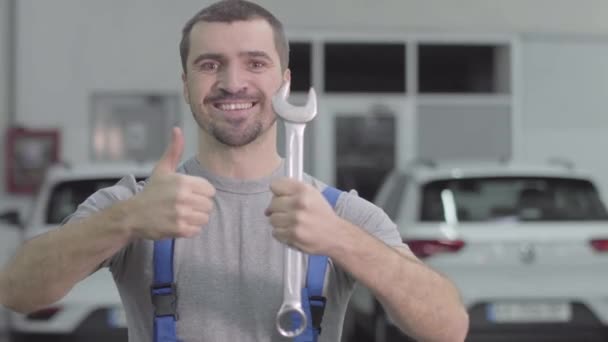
pixel 234 106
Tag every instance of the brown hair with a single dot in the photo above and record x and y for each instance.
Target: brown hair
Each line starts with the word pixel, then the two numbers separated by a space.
pixel 228 11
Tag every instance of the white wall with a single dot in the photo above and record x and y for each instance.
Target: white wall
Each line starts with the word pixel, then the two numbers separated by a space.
pixel 4 32
pixel 586 16
pixel 565 107
pixel 70 48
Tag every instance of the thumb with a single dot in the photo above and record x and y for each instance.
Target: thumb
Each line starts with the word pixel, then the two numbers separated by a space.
pixel 173 154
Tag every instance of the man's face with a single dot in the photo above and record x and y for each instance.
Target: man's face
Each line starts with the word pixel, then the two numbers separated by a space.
pixel 233 69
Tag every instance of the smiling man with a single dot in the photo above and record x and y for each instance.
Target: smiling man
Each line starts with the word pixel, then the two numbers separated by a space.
pixel 229 211
pixel 231 71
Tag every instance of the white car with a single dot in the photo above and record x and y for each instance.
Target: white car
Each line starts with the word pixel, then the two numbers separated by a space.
pixel 526 245
pixel 92 310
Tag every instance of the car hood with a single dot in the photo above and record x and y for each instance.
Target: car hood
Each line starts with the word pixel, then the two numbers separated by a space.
pixel 98 288
pixel 509 230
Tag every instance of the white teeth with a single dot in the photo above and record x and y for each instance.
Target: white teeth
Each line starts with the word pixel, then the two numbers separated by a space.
pixel 235 106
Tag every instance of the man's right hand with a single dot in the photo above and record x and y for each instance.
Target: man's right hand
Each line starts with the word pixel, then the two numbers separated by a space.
pixel 171 204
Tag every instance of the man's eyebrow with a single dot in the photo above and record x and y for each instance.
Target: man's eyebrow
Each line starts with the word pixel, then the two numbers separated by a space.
pixel 212 56
pixel 255 53
pixel 221 58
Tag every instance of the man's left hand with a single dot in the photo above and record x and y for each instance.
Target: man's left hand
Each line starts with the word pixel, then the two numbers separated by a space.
pixel 301 217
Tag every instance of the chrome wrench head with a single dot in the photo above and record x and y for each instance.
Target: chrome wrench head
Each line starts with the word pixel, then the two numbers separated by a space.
pixel 293 113
pixel 291 320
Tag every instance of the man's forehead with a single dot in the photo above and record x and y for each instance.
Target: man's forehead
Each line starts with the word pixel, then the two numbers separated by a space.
pixel 256 33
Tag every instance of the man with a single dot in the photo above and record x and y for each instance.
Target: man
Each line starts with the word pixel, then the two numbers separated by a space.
pixel 231 211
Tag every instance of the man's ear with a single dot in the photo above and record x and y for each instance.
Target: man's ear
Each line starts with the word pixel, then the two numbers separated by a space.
pixel 287 75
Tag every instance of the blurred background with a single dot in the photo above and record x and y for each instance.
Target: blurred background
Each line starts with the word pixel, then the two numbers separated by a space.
pixel 89 87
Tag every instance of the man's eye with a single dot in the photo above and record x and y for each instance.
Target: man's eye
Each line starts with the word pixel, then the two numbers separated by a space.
pixel 209 66
pixel 257 65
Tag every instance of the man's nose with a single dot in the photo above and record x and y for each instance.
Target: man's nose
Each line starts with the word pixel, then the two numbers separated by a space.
pixel 232 80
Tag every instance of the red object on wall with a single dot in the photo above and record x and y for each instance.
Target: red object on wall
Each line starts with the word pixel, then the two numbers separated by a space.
pixel 28 154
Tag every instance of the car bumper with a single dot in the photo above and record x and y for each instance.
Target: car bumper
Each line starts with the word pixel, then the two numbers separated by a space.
pixel 583 326
pixel 117 336
pixel 539 333
pixel 94 328
pixel 521 333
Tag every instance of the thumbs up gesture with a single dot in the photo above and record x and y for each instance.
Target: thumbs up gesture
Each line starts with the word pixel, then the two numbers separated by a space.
pixel 172 204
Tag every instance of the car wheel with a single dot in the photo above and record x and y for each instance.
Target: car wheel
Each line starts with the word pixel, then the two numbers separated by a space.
pixel 355 333
pixel 380 328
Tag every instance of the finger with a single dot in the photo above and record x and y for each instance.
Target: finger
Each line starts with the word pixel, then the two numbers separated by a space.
pixel 198 203
pixel 189 230
pixel 285 237
pixel 173 154
pixel 279 205
pixel 199 185
pixel 286 187
pixel 197 218
pixel 281 235
pixel 281 220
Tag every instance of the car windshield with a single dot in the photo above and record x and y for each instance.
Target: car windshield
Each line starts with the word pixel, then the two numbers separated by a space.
pixel 511 199
pixel 66 196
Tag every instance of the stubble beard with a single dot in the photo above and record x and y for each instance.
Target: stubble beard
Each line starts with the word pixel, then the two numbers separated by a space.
pixel 230 133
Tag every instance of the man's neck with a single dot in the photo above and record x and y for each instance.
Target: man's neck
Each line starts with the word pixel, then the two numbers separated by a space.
pixel 255 160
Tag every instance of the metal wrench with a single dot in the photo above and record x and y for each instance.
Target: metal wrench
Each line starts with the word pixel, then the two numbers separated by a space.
pixel 291 319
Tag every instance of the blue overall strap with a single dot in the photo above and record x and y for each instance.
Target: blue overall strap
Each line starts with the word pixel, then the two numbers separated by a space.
pixel 164 292
pixel 332 195
pixel 313 301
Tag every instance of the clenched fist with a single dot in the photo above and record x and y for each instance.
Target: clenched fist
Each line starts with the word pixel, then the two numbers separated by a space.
pixel 301 217
pixel 172 204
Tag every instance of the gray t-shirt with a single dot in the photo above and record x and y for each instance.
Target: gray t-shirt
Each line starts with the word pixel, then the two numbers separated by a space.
pixel 230 277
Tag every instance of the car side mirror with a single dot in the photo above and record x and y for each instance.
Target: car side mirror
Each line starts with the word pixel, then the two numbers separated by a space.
pixel 11 217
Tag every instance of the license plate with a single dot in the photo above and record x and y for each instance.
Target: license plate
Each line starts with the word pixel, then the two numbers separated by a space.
pixel 529 312
pixel 117 318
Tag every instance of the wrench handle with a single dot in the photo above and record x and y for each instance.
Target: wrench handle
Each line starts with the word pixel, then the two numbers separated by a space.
pixel 294 151
pixel 291 320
